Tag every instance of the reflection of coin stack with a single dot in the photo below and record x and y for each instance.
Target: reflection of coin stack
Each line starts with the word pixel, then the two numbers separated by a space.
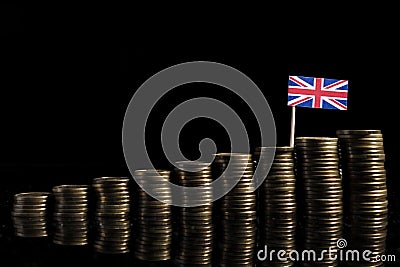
pixel 237 211
pixel 29 214
pixel 195 228
pixel 112 214
pixel 363 160
pixel 70 215
pixel 277 204
pixel 154 228
pixel 318 168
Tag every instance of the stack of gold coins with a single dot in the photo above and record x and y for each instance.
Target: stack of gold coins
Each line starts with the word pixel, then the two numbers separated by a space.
pixel 277 204
pixel 194 242
pixel 70 216
pixel 153 236
pixel 112 215
pixel 30 214
pixel 317 167
pixel 363 163
pixel 237 211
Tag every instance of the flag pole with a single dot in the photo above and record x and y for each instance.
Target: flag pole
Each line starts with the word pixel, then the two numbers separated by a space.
pixel 292 126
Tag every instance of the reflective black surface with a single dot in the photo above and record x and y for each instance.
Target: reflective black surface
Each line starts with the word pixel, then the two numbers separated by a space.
pixel 18 252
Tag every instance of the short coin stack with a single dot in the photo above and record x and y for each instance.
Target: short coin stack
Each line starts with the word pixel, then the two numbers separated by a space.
pixel 112 215
pixel 70 217
pixel 363 160
pixel 195 225
pixel 277 204
pixel 153 236
pixel 237 211
pixel 317 167
pixel 30 214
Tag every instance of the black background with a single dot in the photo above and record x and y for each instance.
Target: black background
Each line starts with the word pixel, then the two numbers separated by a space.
pixel 68 74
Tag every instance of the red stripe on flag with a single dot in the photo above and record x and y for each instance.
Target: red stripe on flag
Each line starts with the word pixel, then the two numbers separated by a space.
pixel 334 84
pixel 311 92
pixel 338 103
pixel 318 85
pixel 294 79
pixel 301 100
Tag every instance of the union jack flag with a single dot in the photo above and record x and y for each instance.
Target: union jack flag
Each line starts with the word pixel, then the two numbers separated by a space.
pixel 313 92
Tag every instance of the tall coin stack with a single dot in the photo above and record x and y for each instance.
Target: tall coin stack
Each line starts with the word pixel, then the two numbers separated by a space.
pixel 195 225
pixel 112 215
pixel 30 214
pixel 363 160
pixel 317 166
pixel 153 236
pixel 237 211
pixel 70 217
pixel 277 204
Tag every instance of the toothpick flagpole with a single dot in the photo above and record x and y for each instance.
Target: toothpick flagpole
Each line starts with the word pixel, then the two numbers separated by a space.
pixel 292 126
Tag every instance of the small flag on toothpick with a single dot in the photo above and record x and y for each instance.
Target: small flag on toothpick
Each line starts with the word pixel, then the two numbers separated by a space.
pixel 312 92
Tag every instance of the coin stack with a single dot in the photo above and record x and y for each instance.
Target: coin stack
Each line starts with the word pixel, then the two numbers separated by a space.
pixel 277 203
pixel 30 214
pixel 317 167
pixel 153 238
pixel 195 225
pixel 112 215
pixel 70 217
pixel 237 211
pixel 363 163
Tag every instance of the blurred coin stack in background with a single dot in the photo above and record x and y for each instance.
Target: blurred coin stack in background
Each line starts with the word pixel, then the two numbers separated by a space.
pixel 30 214
pixel 194 243
pixel 277 203
pixel 364 174
pixel 112 215
pixel 70 217
pixel 236 210
pixel 317 167
pixel 153 236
